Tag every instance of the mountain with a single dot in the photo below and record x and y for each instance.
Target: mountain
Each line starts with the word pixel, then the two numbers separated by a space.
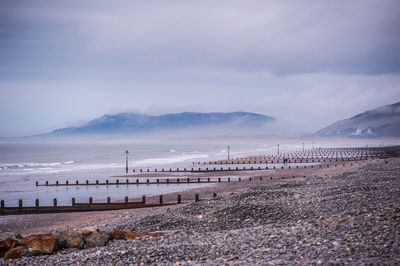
pixel 134 123
pixel 380 122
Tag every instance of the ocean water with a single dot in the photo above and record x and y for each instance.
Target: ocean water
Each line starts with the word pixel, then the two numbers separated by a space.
pixel 23 162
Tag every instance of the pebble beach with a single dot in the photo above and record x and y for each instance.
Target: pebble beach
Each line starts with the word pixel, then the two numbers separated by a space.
pixel 352 217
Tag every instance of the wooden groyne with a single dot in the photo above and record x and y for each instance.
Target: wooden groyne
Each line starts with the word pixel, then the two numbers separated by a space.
pixel 187 180
pixel 89 206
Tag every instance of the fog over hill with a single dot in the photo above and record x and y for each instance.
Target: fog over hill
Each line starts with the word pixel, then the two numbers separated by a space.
pixel 199 124
pixel 380 122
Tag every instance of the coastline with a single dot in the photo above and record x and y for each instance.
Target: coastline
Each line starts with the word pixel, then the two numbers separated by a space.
pixel 352 215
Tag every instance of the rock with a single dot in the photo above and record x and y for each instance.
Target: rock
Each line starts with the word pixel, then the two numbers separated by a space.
pixel 86 232
pixel 97 239
pixel 72 239
pixel 34 252
pixel 45 243
pixel 7 244
pixel 16 253
pixel 118 235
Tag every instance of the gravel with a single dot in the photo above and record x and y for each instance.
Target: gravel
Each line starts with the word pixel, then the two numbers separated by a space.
pixel 351 218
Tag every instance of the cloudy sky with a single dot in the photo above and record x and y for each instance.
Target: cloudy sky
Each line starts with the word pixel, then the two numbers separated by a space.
pixel 307 63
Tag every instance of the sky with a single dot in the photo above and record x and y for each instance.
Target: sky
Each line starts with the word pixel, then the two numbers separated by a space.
pixel 306 63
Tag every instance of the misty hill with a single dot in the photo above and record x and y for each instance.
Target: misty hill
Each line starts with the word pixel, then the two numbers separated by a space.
pixel 198 123
pixel 380 122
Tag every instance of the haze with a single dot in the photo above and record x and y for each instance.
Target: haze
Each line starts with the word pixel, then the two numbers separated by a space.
pixel 306 63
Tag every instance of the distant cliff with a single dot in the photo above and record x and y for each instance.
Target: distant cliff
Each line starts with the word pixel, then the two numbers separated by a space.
pixel 134 123
pixel 380 122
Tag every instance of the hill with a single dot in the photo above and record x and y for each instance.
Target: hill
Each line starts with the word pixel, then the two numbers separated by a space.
pixel 380 122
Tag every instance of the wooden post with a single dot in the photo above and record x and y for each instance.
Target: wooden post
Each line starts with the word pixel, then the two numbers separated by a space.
pixel 77 182
pixel 47 183
pixel 179 199
pixel 214 195
pixel 66 182
pixel 197 197
pixel 158 181
pixel 219 179
pixel 117 181
pixel 87 182
pixel 188 180
pixel 240 179
pixel 20 204
pixel 73 202
pixel 126 161
pixel 127 181
pixel 90 201
pixel 97 182
pixel 37 183
pixel 161 199
pixel 55 203
pixel 37 203
pixel 198 180
pixel 57 182
pixel 143 199
pixel 208 180
pixel 229 179
pixel 108 200
pixel 126 199
pixel 2 204
pixel 107 182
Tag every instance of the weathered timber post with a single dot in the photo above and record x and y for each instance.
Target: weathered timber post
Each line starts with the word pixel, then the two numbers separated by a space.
pixel 37 203
pixel 20 204
pixel 161 199
pixel 179 199
pixel 197 197
pixel 126 161
pixel 143 199
pixel 55 203
pixel 73 202
pixel 126 199
pixel 108 200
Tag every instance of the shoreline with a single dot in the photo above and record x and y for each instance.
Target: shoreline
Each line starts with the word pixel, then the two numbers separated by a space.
pixel 24 224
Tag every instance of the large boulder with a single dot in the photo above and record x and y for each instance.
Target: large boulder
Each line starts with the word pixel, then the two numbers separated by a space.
pixel 45 243
pixel 7 244
pixel 97 239
pixel 72 239
pixel 16 253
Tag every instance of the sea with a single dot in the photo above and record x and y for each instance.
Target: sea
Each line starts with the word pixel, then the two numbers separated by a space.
pixel 23 162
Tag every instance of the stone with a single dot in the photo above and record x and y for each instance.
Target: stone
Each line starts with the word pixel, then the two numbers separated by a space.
pixel 118 235
pixel 7 244
pixel 86 232
pixel 72 239
pixel 97 239
pixel 16 253
pixel 34 252
pixel 45 243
